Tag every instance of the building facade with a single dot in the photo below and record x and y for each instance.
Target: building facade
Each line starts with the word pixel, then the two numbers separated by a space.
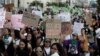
pixel 26 3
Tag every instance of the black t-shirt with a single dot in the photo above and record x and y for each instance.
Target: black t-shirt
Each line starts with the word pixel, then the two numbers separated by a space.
pixel 2 46
pixel 22 53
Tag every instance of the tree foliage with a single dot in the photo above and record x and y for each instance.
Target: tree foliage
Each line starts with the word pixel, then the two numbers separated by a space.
pixel 60 4
pixel 98 6
pixel 36 3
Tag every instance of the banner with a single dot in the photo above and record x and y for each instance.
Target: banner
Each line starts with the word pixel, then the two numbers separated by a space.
pixel 77 28
pixel 16 21
pixel 2 17
pixel 53 28
pixel 30 20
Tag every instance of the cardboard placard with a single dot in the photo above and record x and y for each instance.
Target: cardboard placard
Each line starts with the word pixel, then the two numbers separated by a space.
pixel 66 28
pixel 30 20
pixel 53 28
pixel 16 21
pixel 88 19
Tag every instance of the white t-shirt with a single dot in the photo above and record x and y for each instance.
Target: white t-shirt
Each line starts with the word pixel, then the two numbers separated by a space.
pixel 16 41
pixel 55 54
pixel 68 37
pixel 47 50
pixel 7 41
pixel 10 39
pixel 98 33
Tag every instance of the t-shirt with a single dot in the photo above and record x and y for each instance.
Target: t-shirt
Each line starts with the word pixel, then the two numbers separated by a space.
pixel 47 50
pixel 16 41
pixel 7 39
pixel 98 33
pixel 55 54
pixel 68 37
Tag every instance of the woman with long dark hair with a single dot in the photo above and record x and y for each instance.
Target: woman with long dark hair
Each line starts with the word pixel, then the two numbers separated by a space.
pixel 22 49
pixel 57 50
pixel 46 47
pixel 38 51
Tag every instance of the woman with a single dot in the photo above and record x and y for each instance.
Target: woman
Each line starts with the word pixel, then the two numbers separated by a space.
pixel 36 38
pixel 29 37
pixel 38 52
pixel 84 42
pixel 7 38
pixel 46 47
pixel 39 41
pixel 57 50
pixel 22 49
pixel 74 46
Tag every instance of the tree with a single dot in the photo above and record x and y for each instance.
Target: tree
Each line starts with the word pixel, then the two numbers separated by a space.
pixel 36 3
pixel 98 6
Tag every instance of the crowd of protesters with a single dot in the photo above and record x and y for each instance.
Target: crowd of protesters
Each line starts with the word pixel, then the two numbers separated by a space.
pixel 32 41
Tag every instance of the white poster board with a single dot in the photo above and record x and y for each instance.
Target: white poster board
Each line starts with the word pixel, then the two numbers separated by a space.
pixel 53 28
pixel 2 17
pixel 16 21
pixel 64 17
pixel 37 13
pixel 77 27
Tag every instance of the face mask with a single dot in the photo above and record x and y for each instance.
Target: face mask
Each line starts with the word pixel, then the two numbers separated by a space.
pixel 5 39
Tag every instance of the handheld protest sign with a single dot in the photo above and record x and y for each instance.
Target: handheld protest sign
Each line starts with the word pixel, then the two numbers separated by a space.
pixel 2 17
pixel 53 28
pixel 66 28
pixel 30 20
pixel 16 21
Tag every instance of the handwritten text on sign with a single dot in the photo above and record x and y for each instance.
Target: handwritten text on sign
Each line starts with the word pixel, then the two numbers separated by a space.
pixel 53 28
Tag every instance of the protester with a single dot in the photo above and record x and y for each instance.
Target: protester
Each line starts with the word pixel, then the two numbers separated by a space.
pixel 38 52
pixel 46 47
pixel 74 46
pixel 22 50
pixel 33 40
pixel 85 43
pixel 57 50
